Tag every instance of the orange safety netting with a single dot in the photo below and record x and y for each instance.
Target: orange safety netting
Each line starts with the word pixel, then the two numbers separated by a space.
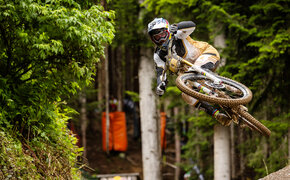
pixel 117 131
pixel 163 126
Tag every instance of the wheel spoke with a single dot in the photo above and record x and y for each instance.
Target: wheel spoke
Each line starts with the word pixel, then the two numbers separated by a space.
pixel 231 93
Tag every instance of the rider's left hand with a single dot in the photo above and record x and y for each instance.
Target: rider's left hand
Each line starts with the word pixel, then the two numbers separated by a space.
pixel 161 88
pixel 173 28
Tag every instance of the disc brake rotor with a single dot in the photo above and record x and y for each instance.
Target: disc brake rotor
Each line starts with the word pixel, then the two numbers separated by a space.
pixel 213 85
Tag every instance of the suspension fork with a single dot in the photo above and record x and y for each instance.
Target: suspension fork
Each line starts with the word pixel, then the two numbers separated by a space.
pixel 203 89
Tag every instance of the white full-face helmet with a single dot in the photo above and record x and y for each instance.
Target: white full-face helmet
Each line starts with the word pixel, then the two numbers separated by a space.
pixel 158 30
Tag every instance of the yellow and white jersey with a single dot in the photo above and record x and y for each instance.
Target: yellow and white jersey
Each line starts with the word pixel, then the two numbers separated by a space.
pixel 197 52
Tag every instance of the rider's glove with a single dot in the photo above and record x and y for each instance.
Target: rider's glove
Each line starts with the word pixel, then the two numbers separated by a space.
pixel 173 28
pixel 161 88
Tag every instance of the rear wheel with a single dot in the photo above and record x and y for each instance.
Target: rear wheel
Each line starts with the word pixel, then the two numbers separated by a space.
pixel 230 93
pixel 253 123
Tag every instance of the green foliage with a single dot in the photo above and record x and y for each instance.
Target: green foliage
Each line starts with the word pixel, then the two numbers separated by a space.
pixel 135 96
pixel 262 159
pixel 173 91
pixel 127 22
pixel 200 145
pixel 12 156
pixel 48 51
pixel 47 155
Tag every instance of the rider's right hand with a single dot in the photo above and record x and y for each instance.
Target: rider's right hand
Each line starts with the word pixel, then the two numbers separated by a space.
pixel 161 88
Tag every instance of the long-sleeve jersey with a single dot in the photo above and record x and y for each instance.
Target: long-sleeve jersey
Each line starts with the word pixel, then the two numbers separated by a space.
pixel 184 46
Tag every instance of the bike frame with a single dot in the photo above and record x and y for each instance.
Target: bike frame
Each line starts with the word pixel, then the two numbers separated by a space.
pixel 195 68
pixel 192 67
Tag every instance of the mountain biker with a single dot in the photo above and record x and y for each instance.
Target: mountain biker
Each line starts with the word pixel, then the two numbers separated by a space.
pixel 197 52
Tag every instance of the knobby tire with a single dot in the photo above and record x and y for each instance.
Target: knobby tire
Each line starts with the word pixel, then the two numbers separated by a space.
pixel 181 84
pixel 255 124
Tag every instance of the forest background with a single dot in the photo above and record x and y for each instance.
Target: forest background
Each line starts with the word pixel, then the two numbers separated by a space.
pixel 51 60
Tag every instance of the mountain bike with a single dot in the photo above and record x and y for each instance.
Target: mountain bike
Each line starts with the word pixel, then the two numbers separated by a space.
pixel 229 95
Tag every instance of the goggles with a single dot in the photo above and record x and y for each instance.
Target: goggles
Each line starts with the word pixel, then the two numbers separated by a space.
pixel 160 36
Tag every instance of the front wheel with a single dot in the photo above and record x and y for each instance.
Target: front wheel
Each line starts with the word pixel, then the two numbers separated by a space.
pixel 230 93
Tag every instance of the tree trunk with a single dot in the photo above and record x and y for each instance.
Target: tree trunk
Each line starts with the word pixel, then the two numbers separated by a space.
pixel 107 99
pixel 177 146
pixel 84 122
pixel 220 43
pixel 119 79
pixel 242 156
pixel 101 82
pixel 222 156
pixel 105 77
pixel 221 153
pixel 233 154
pixel 289 145
pixel 151 156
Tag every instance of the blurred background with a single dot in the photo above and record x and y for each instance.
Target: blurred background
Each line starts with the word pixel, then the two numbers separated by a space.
pixel 92 50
